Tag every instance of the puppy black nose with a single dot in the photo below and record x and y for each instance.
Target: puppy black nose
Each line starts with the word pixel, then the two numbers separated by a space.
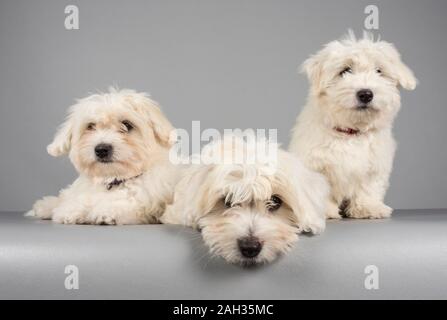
pixel 103 151
pixel 249 246
pixel 365 95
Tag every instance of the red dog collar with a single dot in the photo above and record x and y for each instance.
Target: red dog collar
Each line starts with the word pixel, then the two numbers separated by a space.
pixel 348 131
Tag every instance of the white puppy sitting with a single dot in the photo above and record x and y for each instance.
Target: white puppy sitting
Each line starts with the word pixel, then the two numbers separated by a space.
pixel 249 199
pixel 118 142
pixel 344 130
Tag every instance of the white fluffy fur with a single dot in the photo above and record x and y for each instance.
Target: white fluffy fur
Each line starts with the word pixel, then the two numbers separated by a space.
pixel 140 158
pixel 357 166
pixel 200 196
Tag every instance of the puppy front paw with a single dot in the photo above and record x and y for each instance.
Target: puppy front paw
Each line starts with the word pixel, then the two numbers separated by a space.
pixel 372 210
pixel 43 208
pixel 103 219
pixel 101 215
pixel 333 211
pixel 315 226
pixel 69 217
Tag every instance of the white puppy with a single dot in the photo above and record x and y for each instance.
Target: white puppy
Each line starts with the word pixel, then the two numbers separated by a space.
pixel 344 130
pixel 118 142
pixel 248 206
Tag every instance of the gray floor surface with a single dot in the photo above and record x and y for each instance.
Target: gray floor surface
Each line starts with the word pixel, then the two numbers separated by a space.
pixel 170 262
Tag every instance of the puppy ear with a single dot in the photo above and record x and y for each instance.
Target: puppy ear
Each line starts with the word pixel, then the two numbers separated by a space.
pixel 306 192
pixel 401 72
pixel 405 76
pixel 161 125
pixel 188 207
pixel 157 120
pixel 312 67
pixel 62 140
pixel 204 199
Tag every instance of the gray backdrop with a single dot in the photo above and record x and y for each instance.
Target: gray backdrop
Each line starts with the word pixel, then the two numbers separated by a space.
pixel 225 63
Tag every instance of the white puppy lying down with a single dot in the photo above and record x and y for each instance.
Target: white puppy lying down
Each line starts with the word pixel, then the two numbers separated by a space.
pixel 118 142
pixel 248 206
pixel 344 130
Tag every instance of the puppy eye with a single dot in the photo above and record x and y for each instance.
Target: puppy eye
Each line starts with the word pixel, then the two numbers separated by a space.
pixel 91 126
pixel 345 70
pixel 128 125
pixel 274 203
pixel 379 71
pixel 228 204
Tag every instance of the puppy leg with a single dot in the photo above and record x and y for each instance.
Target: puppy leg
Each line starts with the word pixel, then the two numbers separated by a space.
pixel 364 207
pixel 333 211
pixel 108 213
pixel 121 212
pixel 70 212
pixel 43 208
pixel 368 203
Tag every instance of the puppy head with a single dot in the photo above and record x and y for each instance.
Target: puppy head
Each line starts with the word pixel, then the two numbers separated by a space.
pixel 116 134
pixel 249 214
pixel 356 82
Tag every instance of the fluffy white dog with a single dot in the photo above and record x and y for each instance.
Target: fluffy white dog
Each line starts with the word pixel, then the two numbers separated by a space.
pixel 248 206
pixel 118 142
pixel 344 130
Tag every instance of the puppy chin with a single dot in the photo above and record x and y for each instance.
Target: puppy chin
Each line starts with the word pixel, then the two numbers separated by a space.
pixel 250 262
pixel 265 257
pixel 362 117
pixel 103 170
pixel 364 112
pixel 233 256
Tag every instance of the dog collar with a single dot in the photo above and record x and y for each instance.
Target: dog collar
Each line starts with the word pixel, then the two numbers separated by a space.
pixel 116 182
pixel 348 131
